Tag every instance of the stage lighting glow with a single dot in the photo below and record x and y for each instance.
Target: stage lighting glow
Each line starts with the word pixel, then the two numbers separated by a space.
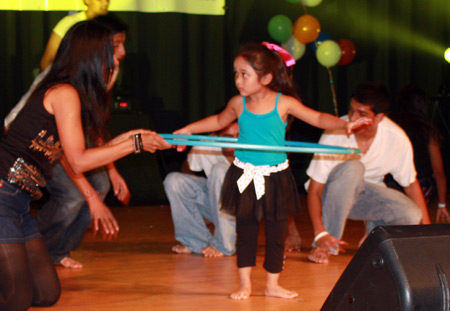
pixel 447 55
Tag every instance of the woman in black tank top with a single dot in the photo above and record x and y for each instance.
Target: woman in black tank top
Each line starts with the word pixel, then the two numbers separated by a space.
pixel 67 109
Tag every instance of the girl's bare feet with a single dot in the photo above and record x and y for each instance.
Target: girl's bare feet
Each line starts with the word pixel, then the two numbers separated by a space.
pixel 211 252
pixel 279 292
pixel 246 284
pixel 275 290
pixel 243 293
pixel 69 263
pixel 181 249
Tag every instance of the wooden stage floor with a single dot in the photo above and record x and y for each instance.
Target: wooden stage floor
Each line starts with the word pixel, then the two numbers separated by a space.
pixel 138 271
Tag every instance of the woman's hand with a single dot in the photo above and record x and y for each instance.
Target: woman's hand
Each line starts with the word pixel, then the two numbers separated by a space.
pixel 152 142
pixel 102 218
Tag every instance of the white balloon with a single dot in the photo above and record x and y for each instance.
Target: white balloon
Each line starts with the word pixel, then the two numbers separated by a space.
pixel 295 48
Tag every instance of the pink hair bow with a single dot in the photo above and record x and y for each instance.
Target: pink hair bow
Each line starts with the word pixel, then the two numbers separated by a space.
pixel 288 59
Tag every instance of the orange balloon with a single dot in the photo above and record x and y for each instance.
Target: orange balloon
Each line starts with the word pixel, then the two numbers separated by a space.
pixel 306 29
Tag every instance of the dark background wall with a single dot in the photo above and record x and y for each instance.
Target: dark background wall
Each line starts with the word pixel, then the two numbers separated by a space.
pixel 179 67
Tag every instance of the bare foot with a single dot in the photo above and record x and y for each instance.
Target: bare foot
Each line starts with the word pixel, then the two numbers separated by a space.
pixel 181 249
pixel 279 292
pixel 211 252
pixel 243 293
pixel 293 243
pixel 318 255
pixel 69 263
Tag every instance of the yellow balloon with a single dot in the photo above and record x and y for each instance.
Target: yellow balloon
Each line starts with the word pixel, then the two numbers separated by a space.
pixel 311 2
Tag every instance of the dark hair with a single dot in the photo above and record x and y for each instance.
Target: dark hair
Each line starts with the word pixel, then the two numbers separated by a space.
pixel 265 61
pixel 411 113
pixel 112 22
pixel 412 99
pixel 85 61
pixel 373 94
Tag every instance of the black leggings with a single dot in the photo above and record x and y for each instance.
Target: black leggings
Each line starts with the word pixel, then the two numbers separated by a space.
pixel 247 238
pixel 27 276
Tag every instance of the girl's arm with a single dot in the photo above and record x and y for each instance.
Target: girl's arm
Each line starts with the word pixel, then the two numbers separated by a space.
pixel 63 102
pixel 215 122
pixel 321 119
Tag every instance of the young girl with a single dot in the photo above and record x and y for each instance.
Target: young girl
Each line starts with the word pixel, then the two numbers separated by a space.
pixel 67 105
pixel 266 100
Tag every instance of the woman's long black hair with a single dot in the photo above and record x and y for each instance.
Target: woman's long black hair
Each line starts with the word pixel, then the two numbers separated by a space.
pixel 85 61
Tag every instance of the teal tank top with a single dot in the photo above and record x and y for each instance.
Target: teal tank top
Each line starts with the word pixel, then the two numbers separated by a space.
pixel 261 129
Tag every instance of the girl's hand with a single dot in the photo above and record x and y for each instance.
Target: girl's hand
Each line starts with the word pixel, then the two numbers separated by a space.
pixel 359 124
pixel 182 131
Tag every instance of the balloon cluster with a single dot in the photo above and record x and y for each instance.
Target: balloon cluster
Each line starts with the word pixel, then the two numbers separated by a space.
pixel 306 30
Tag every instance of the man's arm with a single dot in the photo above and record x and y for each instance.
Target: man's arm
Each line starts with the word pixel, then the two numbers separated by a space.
pixel 322 238
pixel 314 200
pixel 414 192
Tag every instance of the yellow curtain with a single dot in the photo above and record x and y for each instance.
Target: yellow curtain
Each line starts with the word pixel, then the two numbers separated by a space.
pixel 207 7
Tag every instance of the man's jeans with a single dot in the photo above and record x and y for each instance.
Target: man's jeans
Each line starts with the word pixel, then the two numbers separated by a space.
pixel 193 198
pixel 65 217
pixel 347 195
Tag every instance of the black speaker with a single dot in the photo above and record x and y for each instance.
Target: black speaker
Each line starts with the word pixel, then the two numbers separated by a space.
pixel 397 268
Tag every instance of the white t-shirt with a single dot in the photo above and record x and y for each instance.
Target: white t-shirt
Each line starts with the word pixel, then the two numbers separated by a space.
pixel 203 158
pixel 390 152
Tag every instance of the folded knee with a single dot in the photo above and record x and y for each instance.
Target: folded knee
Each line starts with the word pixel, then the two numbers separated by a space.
pixel 47 300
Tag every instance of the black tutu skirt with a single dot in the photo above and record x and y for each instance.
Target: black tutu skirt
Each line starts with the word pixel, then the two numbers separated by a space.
pixel 279 202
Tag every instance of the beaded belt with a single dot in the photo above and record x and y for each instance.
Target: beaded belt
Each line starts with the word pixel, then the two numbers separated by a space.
pixel 27 177
pixel 256 173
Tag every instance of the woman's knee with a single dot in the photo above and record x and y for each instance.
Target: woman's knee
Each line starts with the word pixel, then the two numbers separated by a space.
pixel 49 299
pixel 14 300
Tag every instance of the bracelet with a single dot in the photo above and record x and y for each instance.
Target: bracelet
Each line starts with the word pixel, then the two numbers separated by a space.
pixel 91 196
pixel 137 143
pixel 442 205
pixel 320 235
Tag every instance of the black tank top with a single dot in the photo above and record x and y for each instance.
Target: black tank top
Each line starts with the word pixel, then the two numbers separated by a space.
pixel 32 136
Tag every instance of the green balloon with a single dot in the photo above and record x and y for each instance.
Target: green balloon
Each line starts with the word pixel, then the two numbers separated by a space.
pixel 280 28
pixel 328 53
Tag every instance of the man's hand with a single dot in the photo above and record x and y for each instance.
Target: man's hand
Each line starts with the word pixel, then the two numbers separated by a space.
pixel 332 244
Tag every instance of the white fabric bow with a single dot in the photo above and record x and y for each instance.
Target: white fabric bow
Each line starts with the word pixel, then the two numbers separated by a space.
pixel 256 173
pixel 252 172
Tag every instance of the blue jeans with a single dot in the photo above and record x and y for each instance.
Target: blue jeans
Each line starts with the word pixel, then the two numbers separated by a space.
pixel 347 195
pixel 65 217
pixel 193 198
pixel 16 223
